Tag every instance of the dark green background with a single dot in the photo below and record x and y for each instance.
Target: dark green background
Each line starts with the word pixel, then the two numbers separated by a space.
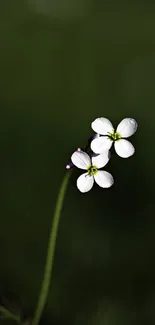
pixel 62 64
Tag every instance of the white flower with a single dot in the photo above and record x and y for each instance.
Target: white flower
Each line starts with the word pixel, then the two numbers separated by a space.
pixel 104 127
pixel 83 161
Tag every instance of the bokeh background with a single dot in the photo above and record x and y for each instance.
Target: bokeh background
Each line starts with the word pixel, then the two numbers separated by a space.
pixel 62 64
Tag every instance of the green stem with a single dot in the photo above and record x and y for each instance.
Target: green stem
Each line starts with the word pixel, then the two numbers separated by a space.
pixel 50 252
pixel 8 314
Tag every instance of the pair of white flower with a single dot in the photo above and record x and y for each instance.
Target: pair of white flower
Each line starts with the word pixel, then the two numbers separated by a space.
pixel 101 146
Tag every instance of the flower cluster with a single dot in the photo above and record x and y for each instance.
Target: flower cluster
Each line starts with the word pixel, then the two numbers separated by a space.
pixel 99 155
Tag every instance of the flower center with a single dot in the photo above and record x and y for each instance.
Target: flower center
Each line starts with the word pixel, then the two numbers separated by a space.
pixel 114 136
pixel 92 170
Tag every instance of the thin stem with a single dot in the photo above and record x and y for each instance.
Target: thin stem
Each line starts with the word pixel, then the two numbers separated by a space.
pixel 50 252
pixel 8 314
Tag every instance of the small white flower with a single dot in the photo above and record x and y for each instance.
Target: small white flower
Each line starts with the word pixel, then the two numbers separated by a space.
pixel 104 127
pixel 92 165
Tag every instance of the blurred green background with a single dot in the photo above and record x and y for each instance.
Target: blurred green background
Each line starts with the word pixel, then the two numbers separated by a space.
pixel 62 64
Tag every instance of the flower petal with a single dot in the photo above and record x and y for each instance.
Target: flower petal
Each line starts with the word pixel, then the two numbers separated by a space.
pixel 94 136
pixel 101 160
pixel 124 148
pixel 85 183
pixel 104 179
pixel 127 127
pixel 101 144
pixel 102 126
pixel 81 159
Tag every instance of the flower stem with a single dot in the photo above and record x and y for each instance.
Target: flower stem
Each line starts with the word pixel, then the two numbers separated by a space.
pixel 50 252
pixel 7 314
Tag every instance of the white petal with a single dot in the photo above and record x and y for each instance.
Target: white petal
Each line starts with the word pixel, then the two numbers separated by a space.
pixel 101 144
pixel 85 183
pixel 124 148
pixel 104 179
pixel 81 159
pixel 127 127
pixel 102 126
pixel 101 160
